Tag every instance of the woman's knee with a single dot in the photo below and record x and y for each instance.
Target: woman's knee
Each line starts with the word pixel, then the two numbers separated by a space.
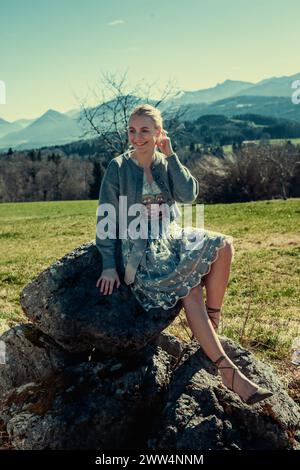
pixel 231 248
pixel 228 250
pixel 194 295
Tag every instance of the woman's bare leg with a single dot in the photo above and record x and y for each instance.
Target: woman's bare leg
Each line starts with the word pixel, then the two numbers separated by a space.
pixel 216 280
pixel 203 331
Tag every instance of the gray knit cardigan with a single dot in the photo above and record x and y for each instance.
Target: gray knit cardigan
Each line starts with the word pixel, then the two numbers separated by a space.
pixel 124 177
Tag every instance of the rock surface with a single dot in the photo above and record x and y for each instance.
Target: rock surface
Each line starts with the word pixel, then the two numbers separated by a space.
pixel 103 405
pixel 30 355
pixel 145 402
pixel 64 303
pixel 98 372
pixel 200 413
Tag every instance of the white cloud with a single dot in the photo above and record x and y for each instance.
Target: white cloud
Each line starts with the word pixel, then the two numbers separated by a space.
pixel 115 22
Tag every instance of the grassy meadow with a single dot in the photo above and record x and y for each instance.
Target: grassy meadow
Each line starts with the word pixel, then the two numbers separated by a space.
pixel 261 306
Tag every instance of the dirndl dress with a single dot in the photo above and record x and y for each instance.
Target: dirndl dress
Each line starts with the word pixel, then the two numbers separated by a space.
pixel 169 269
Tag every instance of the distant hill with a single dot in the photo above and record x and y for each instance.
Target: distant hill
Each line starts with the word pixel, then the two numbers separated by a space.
pixel 73 113
pixel 208 95
pixel 273 106
pixel 6 127
pixel 269 97
pixel 275 86
pixel 49 129
pixel 24 122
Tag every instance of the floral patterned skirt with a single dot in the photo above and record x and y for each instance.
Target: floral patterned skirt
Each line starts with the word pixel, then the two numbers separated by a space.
pixel 171 266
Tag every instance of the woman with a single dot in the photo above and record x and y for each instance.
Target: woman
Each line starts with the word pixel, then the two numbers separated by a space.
pixel 162 270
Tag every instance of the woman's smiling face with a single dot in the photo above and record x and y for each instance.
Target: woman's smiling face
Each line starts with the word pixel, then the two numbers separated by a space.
pixel 142 133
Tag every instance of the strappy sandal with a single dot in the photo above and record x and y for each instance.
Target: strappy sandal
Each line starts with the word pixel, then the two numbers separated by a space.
pixel 214 316
pixel 259 395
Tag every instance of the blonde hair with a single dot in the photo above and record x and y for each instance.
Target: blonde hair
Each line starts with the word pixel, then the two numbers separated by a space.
pixel 148 110
pixel 152 112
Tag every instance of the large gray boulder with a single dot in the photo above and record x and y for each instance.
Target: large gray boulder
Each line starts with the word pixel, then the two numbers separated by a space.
pixel 64 303
pixel 163 397
pixel 104 405
pixel 99 372
pixel 30 355
pixel 201 414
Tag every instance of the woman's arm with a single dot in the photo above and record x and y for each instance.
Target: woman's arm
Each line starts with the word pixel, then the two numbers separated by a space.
pixel 184 186
pixel 108 194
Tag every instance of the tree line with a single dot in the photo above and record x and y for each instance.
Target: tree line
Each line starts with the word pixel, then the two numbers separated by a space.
pixel 49 175
pixel 247 173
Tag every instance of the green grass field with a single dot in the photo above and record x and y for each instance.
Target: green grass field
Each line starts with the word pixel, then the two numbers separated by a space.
pixel 261 305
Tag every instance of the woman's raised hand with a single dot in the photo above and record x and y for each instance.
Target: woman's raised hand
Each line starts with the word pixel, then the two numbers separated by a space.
pixel 164 144
pixel 107 280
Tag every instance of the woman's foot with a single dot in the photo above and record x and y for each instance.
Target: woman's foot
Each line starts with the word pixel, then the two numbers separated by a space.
pixel 236 381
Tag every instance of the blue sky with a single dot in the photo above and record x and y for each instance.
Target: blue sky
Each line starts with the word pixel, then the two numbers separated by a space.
pixel 53 52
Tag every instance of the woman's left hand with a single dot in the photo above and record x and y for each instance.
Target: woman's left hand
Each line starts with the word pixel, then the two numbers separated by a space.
pixel 164 144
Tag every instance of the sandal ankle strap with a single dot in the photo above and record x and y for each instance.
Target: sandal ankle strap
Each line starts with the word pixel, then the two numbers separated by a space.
pixel 217 362
pixel 212 309
pixel 233 367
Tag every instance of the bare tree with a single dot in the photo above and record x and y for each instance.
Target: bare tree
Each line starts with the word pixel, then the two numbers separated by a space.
pixel 109 119
pixel 282 160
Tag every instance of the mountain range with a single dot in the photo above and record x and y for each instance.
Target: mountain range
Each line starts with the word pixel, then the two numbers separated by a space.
pixel 268 97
